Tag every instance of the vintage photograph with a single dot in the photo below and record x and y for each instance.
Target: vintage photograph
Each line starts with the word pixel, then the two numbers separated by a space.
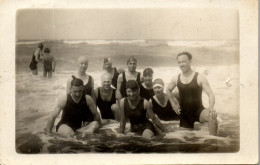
pixel 147 80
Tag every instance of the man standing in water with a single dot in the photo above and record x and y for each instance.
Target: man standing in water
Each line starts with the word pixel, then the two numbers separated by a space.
pixel 36 57
pixel 78 109
pixel 48 63
pixel 114 72
pixel 131 74
pixel 106 99
pixel 146 88
pixel 190 85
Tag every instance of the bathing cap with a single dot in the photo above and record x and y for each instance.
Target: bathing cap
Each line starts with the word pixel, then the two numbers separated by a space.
pixel 158 83
pixel 76 81
pixel 147 71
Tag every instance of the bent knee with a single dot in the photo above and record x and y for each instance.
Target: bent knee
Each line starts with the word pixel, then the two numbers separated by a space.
pixel 148 133
pixel 114 107
pixel 65 131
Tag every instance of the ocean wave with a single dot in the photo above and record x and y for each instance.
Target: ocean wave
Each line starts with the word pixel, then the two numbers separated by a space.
pixel 103 42
pixel 28 42
pixel 204 43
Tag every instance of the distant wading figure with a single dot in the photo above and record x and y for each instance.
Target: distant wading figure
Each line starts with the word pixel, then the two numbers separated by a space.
pixel 87 79
pixel 79 112
pixel 190 85
pixel 136 109
pixel 36 57
pixel 113 71
pixel 130 74
pixel 48 63
pixel 106 99
pixel 146 88
pixel 161 105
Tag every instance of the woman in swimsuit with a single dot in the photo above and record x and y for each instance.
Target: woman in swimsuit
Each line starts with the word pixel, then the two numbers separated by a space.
pixel 136 109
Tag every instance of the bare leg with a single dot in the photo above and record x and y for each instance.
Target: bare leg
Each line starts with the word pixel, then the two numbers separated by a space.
pixel 90 128
pixel 115 110
pixel 211 118
pixel 44 73
pixel 65 131
pixel 35 72
pixel 148 133
pixel 49 74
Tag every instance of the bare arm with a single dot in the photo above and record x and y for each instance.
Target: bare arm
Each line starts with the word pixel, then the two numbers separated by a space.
pixel 206 87
pixel 156 121
pixel 37 55
pixel 122 117
pixel 93 109
pixel 96 95
pixel 68 86
pixel 92 92
pixel 53 64
pixel 170 95
pixel 119 84
pixel 120 70
pixel 55 113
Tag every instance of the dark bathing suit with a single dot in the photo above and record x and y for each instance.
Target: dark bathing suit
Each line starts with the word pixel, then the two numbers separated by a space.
pixel 123 85
pixel 47 63
pixel 33 64
pixel 164 113
pixel 146 93
pixel 190 102
pixel 105 106
pixel 75 113
pixel 114 79
pixel 137 117
pixel 88 88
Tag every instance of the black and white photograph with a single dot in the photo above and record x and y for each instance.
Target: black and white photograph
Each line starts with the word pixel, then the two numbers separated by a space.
pixel 127 81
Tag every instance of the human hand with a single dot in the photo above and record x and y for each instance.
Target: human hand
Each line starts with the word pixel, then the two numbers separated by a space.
pixel 177 109
pixel 212 113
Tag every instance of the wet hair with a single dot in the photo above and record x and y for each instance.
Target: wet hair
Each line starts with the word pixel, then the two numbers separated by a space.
pixel 132 84
pixel 186 54
pixel 147 71
pixel 47 50
pixel 132 58
pixel 76 81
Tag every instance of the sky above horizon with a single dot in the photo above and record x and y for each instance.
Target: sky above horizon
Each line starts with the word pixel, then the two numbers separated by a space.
pixel 127 24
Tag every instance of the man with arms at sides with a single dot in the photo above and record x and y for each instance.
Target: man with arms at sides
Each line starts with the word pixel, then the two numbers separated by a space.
pixel 77 109
pixel 87 79
pixel 190 85
pixel 36 57
pixel 106 98
pixel 113 71
pixel 48 63
pixel 146 88
pixel 136 109
pixel 160 103
pixel 130 74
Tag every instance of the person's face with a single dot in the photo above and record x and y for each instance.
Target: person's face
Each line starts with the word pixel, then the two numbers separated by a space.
pixel 148 79
pixel 132 94
pixel 83 65
pixel 184 63
pixel 106 82
pixel 131 66
pixel 107 65
pixel 77 92
pixel 158 91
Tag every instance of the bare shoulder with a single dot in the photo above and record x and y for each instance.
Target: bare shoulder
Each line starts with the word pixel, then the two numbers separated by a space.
pixel 62 100
pixel 122 101
pixel 201 78
pixel 120 70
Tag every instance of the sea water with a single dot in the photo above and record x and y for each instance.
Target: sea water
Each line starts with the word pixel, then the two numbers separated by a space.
pixel 36 96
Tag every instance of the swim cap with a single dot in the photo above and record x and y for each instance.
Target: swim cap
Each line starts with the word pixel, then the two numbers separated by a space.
pixel 76 81
pixel 132 59
pixel 158 83
pixel 47 50
pixel 132 84
pixel 147 71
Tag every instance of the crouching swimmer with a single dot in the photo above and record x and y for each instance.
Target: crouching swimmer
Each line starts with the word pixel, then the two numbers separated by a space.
pixel 77 109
